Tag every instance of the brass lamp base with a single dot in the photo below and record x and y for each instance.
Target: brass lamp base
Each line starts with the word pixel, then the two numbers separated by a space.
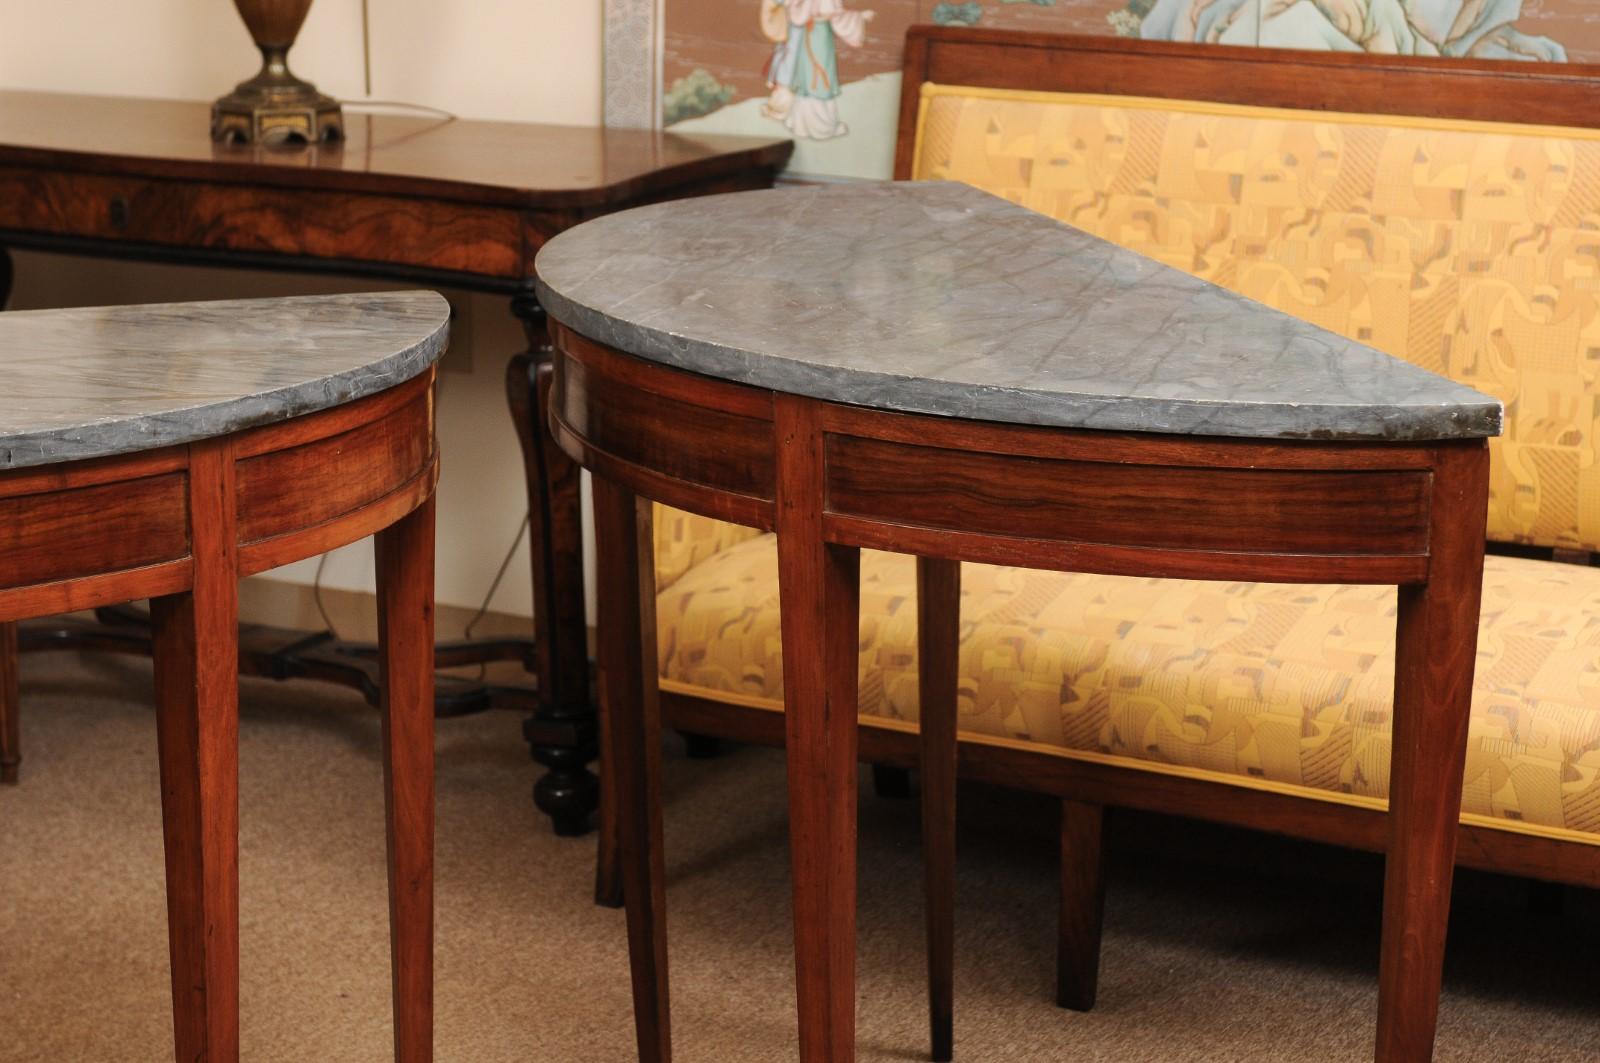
pixel 275 107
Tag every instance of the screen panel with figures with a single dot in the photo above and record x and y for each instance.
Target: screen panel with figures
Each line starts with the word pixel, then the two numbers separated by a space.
pixel 827 72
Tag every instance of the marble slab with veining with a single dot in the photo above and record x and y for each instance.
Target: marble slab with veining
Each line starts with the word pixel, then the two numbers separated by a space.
pixel 938 298
pixel 89 383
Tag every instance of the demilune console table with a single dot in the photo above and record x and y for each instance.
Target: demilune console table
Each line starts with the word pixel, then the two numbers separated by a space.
pixel 925 368
pixel 463 204
pixel 166 451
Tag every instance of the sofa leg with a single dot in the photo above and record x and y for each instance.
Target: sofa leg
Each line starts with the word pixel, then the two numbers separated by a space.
pixel 938 637
pixel 890 782
pixel 700 747
pixel 1546 900
pixel 1082 902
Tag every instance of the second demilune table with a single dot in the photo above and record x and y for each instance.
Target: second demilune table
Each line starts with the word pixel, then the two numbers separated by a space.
pixel 927 369
pixel 166 451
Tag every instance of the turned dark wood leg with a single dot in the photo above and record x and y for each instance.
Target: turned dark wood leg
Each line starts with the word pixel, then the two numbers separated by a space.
pixel 10 706
pixel 197 700
pixel 938 643
pixel 562 734
pixel 632 710
pixel 1436 647
pixel 1082 904
pixel 820 589
pixel 405 557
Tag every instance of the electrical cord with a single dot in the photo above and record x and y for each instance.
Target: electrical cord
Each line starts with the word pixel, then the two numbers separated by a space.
pixel 505 563
pixel 477 617
pixel 316 596
pixel 400 105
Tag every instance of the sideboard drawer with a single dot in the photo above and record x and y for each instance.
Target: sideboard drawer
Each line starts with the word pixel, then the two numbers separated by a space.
pixel 432 233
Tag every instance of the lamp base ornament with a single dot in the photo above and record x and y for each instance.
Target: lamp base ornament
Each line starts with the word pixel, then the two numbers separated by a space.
pixel 275 107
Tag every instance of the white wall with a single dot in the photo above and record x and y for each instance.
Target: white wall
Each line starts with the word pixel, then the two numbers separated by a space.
pixel 518 60
pixel 522 60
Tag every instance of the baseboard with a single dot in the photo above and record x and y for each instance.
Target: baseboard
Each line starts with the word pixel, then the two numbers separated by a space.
pixel 354 614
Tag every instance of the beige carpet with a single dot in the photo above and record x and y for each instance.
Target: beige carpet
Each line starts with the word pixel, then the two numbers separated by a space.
pixel 1267 955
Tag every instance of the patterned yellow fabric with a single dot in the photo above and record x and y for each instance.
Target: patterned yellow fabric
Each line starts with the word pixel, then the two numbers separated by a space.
pixel 1273 684
pixel 1470 249
pixel 683 540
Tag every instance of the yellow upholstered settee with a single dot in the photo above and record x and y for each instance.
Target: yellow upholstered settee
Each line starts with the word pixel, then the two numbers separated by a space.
pixel 1469 247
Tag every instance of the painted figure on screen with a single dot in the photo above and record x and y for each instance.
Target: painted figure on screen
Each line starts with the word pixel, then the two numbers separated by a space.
pixel 1484 29
pixel 802 73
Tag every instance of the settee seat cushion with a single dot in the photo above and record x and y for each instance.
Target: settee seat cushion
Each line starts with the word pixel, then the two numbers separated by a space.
pixel 1283 687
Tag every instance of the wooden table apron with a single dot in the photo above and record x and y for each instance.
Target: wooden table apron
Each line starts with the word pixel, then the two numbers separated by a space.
pixel 180 526
pixel 831 479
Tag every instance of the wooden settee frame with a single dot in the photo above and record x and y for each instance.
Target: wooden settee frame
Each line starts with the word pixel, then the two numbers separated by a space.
pixel 1425 87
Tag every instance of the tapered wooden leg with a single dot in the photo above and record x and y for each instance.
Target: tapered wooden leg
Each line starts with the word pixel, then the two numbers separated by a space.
pixel 405 660
pixel 1436 647
pixel 608 848
pixel 938 639
pixel 624 562
pixel 1082 904
pixel 10 706
pixel 196 651
pixel 819 589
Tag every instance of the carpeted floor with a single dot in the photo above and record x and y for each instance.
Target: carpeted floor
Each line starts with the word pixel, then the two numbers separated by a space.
pixel 1219 946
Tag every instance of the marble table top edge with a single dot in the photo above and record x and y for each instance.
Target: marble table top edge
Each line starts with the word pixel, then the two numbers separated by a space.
pixel 632 281
pixel 208 368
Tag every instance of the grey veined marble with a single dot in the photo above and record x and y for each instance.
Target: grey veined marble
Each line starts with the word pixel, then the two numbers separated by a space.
pixel 89 383
pixel 934 297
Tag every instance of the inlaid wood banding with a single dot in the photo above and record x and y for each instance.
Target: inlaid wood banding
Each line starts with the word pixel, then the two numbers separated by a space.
pixel 101 528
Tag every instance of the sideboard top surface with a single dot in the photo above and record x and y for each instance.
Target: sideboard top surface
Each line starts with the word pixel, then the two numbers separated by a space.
pixel 511 163
pixel 937 298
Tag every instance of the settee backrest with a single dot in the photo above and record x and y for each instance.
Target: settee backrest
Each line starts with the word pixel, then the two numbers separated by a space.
pixel 1444 212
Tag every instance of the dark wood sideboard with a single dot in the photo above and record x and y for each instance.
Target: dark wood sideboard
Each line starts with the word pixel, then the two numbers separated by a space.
pixel 434 201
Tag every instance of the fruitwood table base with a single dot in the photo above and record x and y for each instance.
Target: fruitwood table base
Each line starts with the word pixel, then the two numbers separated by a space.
pixel 180 526
pixel 833 479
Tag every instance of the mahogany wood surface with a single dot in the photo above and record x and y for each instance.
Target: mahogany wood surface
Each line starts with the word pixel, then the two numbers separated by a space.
pixel 443 201
pixel 819 582
pixel 820 495
pixel 631 709
pixel 186 520
pixel 938 676
pixel 405 624
pixel 1436 645
pixel 197 705
pixel 512 164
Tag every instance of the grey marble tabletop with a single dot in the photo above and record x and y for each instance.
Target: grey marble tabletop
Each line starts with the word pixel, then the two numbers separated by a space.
pixel 935 297
pixel 89 383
